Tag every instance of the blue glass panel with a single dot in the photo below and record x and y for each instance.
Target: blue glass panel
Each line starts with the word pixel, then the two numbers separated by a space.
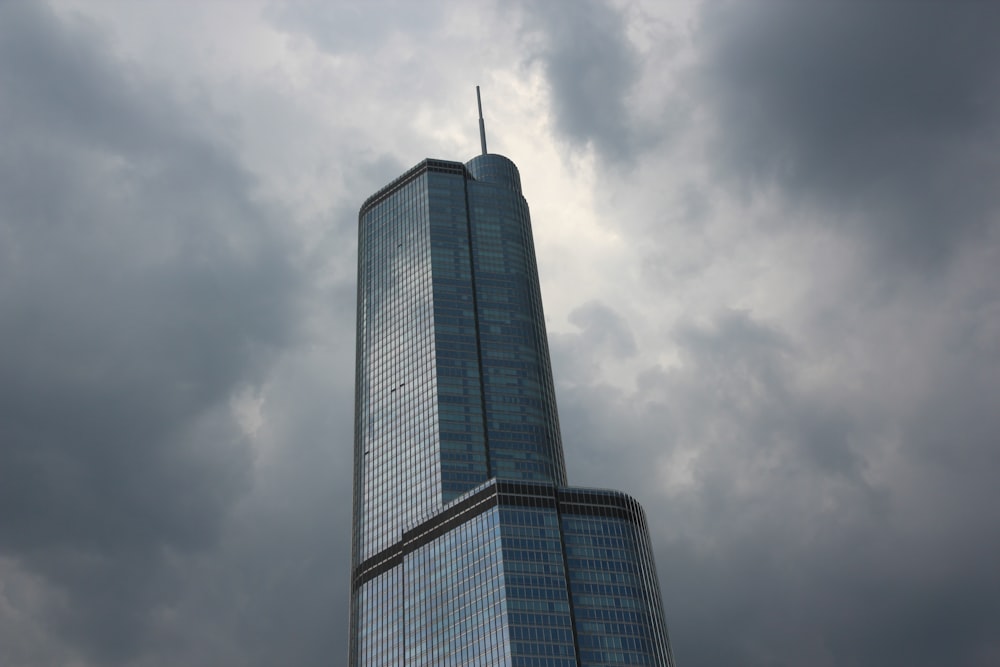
pixel 469 549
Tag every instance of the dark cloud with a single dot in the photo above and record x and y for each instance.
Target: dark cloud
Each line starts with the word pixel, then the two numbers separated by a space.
pixel 604 334
pixel 606 330
pixel 591 68
pixel 736 390
pixel 821 488
pixel 393 45
pixel 798 523
pixel 141 286
pixel 884 115
pixel 342 27
pixel 275 588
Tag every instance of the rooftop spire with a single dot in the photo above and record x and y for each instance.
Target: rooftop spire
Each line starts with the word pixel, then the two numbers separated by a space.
pixel 482 125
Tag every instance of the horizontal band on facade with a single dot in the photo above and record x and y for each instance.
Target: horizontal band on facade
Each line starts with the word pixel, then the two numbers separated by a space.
pixel 572 501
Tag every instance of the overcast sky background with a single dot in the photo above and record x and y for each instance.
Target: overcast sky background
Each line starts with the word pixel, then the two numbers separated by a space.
pixel 769 242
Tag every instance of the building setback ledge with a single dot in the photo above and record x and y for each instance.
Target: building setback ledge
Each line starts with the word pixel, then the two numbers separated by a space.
pixel 568 500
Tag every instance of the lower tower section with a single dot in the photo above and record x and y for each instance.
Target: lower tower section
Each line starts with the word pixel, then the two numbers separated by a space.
pixel 515 574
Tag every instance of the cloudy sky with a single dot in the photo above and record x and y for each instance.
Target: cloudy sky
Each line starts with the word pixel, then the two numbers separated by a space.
pixel 769 243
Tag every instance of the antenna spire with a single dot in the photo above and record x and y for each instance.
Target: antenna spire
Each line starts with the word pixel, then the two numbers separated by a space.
pixel 482 124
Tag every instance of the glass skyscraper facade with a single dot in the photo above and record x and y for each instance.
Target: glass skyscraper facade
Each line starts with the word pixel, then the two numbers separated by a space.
pixel 469 548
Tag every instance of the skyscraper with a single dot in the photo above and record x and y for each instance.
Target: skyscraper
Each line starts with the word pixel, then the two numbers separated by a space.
pixel 469 548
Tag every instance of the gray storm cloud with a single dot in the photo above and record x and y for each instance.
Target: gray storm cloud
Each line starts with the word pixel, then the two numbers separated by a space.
pixel 817 456
pixel 141 284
